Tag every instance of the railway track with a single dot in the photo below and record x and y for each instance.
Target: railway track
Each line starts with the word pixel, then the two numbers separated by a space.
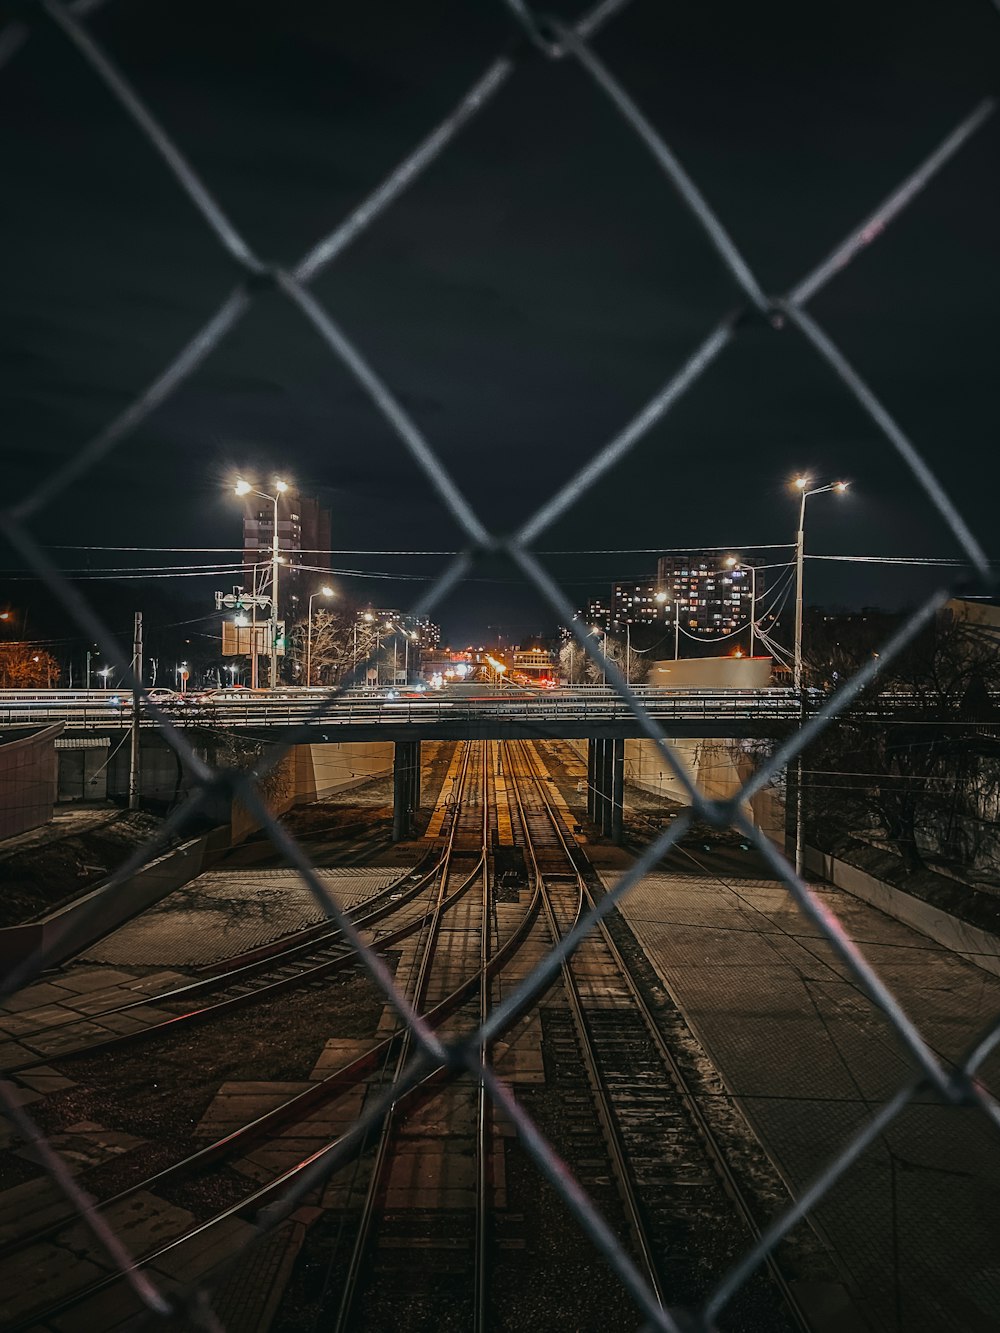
pixel 372 1064
pixel 426 1254
pixel 409 1239
pixel 685 1213
pixel 309 957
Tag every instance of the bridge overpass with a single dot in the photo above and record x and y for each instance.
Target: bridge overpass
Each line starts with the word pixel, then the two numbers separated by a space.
pixel 312 716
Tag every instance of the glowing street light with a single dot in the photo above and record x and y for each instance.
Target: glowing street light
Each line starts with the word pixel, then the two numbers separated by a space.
pixel 325 591
pixel 802 485
pixel 243 487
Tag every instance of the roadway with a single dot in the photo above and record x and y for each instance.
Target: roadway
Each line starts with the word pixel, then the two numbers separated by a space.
pixel 458 714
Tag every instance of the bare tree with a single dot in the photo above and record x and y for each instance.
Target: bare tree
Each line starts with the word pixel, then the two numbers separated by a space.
pixel 916 761
pixel 25 666
pixel 341 642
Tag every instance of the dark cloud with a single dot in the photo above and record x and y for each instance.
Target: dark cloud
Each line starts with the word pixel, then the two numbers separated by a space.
pixel 526 296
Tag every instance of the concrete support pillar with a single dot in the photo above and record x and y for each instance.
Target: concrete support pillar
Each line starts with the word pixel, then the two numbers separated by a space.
pixel 617 788
pixel 405 788
pixel 607 767
pixel 593 749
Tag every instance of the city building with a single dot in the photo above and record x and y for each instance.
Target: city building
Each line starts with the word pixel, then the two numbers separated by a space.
pixel 598 612
pixel 303 544
pixel 714 591
pixel 635 603
pixel 713 594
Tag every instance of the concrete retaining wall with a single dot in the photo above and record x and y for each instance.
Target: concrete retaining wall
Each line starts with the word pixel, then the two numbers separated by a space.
pixel 976 945
pixel 972 943
pixel 27 779
pixel 87 919
pixel 314 772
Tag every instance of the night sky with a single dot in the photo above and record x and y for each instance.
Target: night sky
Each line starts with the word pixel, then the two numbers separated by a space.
pixel 523 299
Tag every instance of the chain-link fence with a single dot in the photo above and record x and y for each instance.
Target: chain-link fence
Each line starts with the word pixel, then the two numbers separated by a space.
pixel 788 315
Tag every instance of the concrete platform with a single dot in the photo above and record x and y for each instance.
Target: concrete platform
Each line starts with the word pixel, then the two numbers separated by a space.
pixel 809 1059
pixel 226 912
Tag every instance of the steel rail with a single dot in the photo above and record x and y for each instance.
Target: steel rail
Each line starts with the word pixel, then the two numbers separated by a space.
pixel 616 1149
pixel 387 1129
pixel 703 1125
pixel 267 991
pixel 253 961
pixel 484 1107
pixel 297 1108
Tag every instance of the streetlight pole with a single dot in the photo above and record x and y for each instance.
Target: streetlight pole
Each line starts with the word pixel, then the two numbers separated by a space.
pixel 325 591
pixel 244 488
pixel 734 563
pixel 802 485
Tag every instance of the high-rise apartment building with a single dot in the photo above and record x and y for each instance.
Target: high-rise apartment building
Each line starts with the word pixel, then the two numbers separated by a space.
pixel 635 603
pixel 710 593
pixel 713 591
pixel 303 544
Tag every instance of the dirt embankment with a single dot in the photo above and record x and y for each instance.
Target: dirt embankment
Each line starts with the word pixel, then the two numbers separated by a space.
pixel 37 879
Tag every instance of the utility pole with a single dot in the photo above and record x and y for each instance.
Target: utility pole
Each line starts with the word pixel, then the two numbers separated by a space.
pixel 253 643
pixel 88 669
pixel 273 681
pixel 133 767
pixel 802 485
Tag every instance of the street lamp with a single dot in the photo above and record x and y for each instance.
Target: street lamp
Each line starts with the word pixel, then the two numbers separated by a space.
pixel 733 562
pixel 661 597
pixel 325 591
pixel 596 629
pixel 801 484
pixel 244 488
pixel 104 673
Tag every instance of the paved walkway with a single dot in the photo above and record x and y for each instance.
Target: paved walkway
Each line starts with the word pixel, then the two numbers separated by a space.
pixel 226 912
pixel 67 822
pixel 916 1221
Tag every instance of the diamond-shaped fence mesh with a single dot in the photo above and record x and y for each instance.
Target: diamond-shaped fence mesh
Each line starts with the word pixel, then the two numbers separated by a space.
pixel 788 315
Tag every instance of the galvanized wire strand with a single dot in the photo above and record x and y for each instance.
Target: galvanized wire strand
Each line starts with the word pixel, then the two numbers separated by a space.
pixel 38 959
pixel 814 910
pixel 305 729
pixel 807 1200
pixel 541 580
pixel 16 33
pixel 866 399
pixel 294 1185
pixel 554 41
pixel 890 207
pixel 191 356
pixel 577 1200
pixel 546 971
pixel 697 203
pixel 851 688
pixel 88 619
pixel 283 842
pixel 105 1235
pixel 390 409
pixel 421 157
pixel 157 137
pixel 658 406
